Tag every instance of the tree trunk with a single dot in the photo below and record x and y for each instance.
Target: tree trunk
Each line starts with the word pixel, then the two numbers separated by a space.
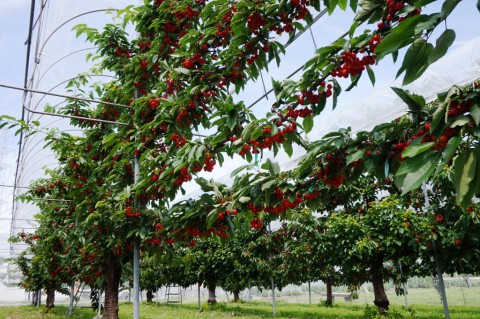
pixel 381 299
pixel 329 301
pixel 236 296
pixel 50 303
pixel 212 299
pixel 149 296
pixel 112 280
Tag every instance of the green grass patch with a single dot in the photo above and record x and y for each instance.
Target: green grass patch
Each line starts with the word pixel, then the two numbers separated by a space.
pixel 252 310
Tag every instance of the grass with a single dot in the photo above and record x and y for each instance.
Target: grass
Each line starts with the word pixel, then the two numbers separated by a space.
pixel 456 296
pixel 253 310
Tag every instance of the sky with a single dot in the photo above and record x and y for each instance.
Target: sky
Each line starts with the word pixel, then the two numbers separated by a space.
pixel 14 17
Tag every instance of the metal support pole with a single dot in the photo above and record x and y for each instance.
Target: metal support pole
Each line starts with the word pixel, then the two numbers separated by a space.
pixel 99 302
pixel 309 294
pixel 443 295
pixel 136 260
pixel 404 287
pixel 198 295
pixel 405 293
pixel 72 292
pixel 274 306
pixel 136 280
pixel 464 301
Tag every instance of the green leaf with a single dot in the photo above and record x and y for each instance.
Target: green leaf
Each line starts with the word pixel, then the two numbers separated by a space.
pixel 182 70
pixel 337 89
pixel 438 116
pixel 415 170
pixel 368 9
pixel 232 121
pixel 447 155
pixel 442 45
pixel 460 121
pixel 353 5
pixel 273 167
pixel 371 74
pixel 447 7
pixel 418 60
pixel 478 5
pixel 355 156
pixel 414 150
pixel 414 52
pixel 248 131
pixel 354 82
pixel 415 102
pixel 268 184
pixel 244 199
pixel 475 112
pixel 475 183
pixel 342 4
pixel 239 169
pixel 398 36
pixel 352 29
pixel 199 152
pixel 287 146
pixel 277 88
pixel 330 4
pixel 109 138
pixel 191 153
pixel 308 124
pixel 465 165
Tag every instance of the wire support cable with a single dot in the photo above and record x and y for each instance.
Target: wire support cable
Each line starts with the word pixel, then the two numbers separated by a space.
pixel 288 77
pixel 64 96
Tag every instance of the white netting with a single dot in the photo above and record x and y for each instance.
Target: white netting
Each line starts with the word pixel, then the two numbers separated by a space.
pixel 57 56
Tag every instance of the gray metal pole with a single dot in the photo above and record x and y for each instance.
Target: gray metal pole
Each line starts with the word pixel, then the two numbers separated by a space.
pixel 274 306
pixel 405 293
pixel 136 280
pixel 99 302
pixel 435 255
pixel 404 286
pixel 136 260
pixel 72 291
pixel 198 295
pixel 464 301
pixel 309 294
